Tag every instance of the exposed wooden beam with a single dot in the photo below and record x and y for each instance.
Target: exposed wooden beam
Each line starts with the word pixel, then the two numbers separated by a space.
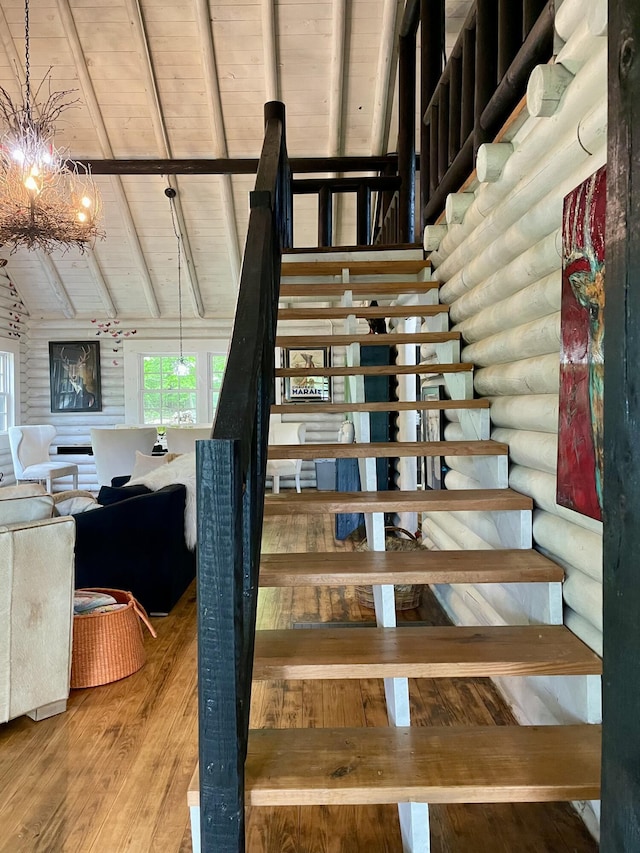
pixel 337 82
pixel 234 165
pixel 203 17
pixel 162 138
pixel 270 51
pixel 344 185
pixel 91 101
pixel 337 86
pixel 383 76
pixel 15 61
pixel 101 284
pixel 164 145
pixel 57 285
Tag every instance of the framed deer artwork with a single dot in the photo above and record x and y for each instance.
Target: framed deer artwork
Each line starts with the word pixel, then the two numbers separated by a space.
pixel 581 413
pixel 74 376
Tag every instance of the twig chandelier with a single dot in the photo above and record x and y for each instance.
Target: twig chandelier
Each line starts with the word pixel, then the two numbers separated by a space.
pixel 46 200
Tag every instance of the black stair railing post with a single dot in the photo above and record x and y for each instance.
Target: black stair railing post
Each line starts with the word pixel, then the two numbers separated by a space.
pixel 431 63
pixel 363 215
pixel 509 34
pixel 406 136
pixel 468 82
pixel 443 132
pixel 230 478
pixel 455 107
pixel 434 133
pixel 486 64
pixel 325 216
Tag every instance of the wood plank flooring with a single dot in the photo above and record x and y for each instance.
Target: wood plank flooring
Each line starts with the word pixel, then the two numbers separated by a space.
pixel 111 774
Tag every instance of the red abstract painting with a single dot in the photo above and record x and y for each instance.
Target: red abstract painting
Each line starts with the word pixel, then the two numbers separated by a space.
pixel 580 431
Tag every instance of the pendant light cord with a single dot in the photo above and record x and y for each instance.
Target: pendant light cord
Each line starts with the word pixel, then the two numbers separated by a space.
pixel 27 63
pixel 172 203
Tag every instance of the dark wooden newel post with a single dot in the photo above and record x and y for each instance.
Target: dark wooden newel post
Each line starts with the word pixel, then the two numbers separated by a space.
pixel 621 747
pixel 407 136
pixel 431 58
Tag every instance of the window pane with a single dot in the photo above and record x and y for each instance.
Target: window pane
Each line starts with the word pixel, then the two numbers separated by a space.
pixel 166 396
pixel 218 364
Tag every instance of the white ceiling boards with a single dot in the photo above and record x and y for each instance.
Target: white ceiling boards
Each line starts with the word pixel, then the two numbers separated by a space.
pixel 164 79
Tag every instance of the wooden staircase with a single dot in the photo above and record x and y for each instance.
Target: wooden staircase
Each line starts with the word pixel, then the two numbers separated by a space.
pixel 404 764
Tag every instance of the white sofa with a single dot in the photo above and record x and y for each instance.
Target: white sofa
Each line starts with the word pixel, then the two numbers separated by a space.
pixel 36 604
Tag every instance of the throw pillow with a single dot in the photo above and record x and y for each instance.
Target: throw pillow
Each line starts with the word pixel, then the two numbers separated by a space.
pixel 115 494
pixel 73 502
pixel 144 464
pixel 180 470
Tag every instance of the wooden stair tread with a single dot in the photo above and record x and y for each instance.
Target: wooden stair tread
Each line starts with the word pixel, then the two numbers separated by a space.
pixel 376 370
pixel 420 566
pixel 361 289
pixel 433 765
pixel 309 501
pixel 310 341
pixel 449 764
pixel 388 449
pixel 338 311
pixel 421 652
pixel 310 268
pixel 390 406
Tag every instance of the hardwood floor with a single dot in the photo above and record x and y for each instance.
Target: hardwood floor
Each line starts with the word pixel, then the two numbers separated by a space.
pixel 111 774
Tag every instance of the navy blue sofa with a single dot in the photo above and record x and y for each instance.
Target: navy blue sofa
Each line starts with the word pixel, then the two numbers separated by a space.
pixel 135 541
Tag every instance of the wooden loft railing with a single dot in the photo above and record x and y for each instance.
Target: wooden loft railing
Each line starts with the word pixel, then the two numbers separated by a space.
pixel 363 186
pixel 483 81
pixel 463 105
pixel 230 472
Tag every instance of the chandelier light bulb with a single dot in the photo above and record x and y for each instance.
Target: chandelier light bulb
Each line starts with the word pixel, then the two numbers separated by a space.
pixel 31 184
pixel 85 201
pixel 82 217
pixel 18 155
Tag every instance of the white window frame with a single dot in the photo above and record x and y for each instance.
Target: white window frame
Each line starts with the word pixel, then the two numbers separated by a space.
pixel 134 352
pixel 12 350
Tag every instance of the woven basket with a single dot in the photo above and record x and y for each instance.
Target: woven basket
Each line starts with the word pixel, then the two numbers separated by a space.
pixel 407 596
pixel 108 646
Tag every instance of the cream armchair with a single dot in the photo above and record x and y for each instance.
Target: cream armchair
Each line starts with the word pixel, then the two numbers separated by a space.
pixel 285 433
pixel 114 450
pixel 36 604
pixel 183 439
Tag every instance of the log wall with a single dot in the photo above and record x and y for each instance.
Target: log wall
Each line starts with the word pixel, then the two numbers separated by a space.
pixel 500 272
pixel 75 427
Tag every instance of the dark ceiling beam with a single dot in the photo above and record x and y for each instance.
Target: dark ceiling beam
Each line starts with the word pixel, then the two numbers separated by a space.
pixel 234 165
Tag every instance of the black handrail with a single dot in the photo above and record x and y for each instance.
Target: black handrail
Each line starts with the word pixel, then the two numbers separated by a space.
pixel 230 471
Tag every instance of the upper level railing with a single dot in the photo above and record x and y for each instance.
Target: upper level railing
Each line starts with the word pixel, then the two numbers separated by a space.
pixel 485 77
pixel 230 471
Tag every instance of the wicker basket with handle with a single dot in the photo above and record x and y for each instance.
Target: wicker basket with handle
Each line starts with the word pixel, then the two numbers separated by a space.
pixel 407 596
pixel 108 646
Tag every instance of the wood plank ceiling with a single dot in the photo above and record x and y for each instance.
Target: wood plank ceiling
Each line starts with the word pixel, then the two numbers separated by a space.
pixel 188 79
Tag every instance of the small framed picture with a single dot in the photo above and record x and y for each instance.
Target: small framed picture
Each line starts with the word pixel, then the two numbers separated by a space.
pixel 74 376
pixel 307 386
